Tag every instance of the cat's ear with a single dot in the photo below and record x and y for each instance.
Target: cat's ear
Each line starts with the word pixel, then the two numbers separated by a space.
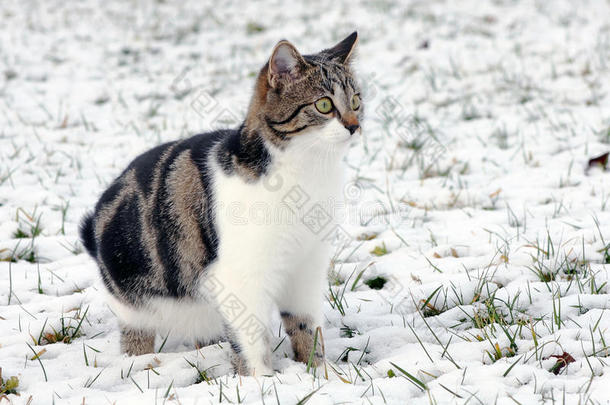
pixel 286 64
pixel 344 50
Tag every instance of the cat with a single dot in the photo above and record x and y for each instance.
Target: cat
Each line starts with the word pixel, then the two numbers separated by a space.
pixel 169 235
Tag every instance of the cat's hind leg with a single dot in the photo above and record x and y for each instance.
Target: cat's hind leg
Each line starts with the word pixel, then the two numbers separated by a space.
pixel 135 342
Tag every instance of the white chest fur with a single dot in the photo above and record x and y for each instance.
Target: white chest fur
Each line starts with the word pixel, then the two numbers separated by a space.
pixel 274 226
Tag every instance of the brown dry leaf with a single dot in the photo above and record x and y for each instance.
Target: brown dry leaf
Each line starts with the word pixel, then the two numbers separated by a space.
pixel 454 253
pixel 495 193
pixel 601 160
pixel 562 360
pixel 437 255
pixel 40 353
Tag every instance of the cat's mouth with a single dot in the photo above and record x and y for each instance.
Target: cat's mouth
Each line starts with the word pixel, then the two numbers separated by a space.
pixel 338 133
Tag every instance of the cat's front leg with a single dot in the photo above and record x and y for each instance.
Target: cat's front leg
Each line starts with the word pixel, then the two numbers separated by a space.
pixel 301 310
pixel 247 315
pixel 302 329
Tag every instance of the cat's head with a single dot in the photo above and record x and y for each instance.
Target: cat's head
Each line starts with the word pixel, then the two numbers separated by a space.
pixel 314 97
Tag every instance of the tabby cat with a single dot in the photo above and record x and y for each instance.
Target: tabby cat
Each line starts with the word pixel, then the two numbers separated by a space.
pixel 175 253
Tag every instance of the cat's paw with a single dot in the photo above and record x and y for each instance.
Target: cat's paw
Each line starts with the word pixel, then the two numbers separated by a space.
pixel 304 354
pixel 263 371
pixel 260 371
pixel 244 368
pixel 136 342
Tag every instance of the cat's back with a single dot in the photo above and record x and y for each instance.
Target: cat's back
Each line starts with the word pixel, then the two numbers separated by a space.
pixel 152 230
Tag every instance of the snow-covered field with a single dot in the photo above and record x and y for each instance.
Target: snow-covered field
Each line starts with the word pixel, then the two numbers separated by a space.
pixel 477 267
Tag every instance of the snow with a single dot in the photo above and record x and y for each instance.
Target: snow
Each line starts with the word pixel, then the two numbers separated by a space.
pixel 472 172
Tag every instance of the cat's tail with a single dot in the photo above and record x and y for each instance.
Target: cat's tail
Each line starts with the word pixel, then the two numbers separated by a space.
pixel 87 235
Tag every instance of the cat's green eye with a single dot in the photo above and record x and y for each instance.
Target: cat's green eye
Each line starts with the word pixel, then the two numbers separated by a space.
pixel 324 105
pixel 355 102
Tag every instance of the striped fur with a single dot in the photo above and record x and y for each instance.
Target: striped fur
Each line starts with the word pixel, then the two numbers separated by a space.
pixel 161 234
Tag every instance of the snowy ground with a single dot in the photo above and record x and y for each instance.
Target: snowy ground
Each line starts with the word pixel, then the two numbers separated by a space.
pixel 477 208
